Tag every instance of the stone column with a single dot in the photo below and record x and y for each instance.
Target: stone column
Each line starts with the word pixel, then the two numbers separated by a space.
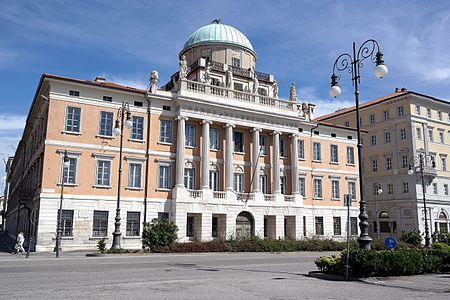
pixel 229 158
pixel 181 141
pixel 276 163
pixel 256 151
pixel 294 164
pixel 205 154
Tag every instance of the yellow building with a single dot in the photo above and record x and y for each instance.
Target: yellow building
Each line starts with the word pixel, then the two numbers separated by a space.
pixel 214 150
pixel 401 127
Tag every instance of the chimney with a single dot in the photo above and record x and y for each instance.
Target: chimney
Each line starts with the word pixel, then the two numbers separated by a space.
pixel 404 89
pixel 100 79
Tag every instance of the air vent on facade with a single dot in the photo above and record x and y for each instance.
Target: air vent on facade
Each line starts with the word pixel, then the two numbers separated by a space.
pixel 138 103
pixel 107 98
pixel 74 93
pixel 316 132
pixel 333 135
pixel 167 107
pixel 349 137
pixel 300 130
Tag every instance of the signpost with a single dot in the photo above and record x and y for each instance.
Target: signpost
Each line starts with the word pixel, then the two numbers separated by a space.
pixel 348 203
pixel 390 243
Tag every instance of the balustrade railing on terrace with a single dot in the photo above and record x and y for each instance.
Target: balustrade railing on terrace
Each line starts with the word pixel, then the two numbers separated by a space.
pixel 289 198
pixel 219 195
pixel 207 89
pixel 245 196
pixel 269 197
pixel 195 194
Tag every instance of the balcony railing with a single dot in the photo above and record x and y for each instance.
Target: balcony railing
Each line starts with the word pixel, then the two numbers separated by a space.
pixel 245 196
pixel 289 198
pixel 219 195
pixel 239 71
pixel 207 89
pixel 195 194
pixel 269 197
pixel 215 65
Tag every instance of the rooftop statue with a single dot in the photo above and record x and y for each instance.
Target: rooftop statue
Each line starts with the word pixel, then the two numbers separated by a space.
pixel 275 89
pixel 154 79
pixel 229 79
pixel 207 75
pixel 293 93
pixel 183 67
pixel 255 82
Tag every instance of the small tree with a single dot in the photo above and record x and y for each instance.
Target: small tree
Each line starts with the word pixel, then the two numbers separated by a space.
pixel 412 237
pixel 159 233
pixel 101 246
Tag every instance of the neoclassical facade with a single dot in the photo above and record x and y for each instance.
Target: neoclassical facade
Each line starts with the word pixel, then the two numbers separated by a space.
pixel 214 149
pixel 401 127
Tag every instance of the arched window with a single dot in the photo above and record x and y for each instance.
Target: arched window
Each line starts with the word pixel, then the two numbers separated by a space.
pixel 245 225
pixel 384 215
pixel 442 216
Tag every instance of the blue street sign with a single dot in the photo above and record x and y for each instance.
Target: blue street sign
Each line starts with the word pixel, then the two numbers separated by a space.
pixel 390 243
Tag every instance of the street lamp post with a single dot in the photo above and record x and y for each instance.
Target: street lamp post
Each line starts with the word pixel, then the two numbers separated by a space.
pixel 421 162
pixel 118 130
pixel 353 63
pixel 66 165
pixel 378 190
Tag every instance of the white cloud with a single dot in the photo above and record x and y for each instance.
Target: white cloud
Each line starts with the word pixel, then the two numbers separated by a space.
pixel 127 80
pixel 10 122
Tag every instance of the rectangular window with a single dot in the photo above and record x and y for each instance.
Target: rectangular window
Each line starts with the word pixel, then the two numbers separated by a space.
pixel 107 98
pixel 214 138
pixel 446 189
pixel 301 149
pixel 263 144
pixel 190 221
pixel 100 226
pixel 137 131
pixel 388 163
pixel 263 179
pixel 435 188
pixel 429 112
pixel 239 182
pixel 134 175
pixel 390 188
pixel 283 185
pixel 74 93
pixel 138 103
pixel 238 138
pixel 133 223
pixel 405 187
pixel 353 226
pixel 352 189
pixel 235 62
pixel 164 181
pixel 403 134
pixel 337 226
pixel 334 153
pixel 302 186
pixel 374 165
pixel 66 222
pixel 373 140
pixel 165 131
pixel 214 180
pixel 440 115
pixel 444 163
pixel 386 114
pixel 317 155
pixel 318 188
pixel 283 151
pixel 347 124
pixel 404 160
pixel 400 111
pixel 214 231
pixel 73 115
pixel 419 133
pixel 418 110
pixel 441 137
pixel 319 225
pixel 335 192
pixel 189 178
pixel 190 135
pixel 103 172
pixel 106 123
pixel 372 119
pixel 387 137
pixel 70 173
pixel 350 155
pixel 430 134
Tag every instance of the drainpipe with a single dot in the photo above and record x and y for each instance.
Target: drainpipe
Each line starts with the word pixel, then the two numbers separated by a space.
pixel 312 177
pixel 147 158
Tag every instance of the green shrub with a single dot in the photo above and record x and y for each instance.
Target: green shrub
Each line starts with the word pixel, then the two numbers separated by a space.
pixel 159 233
pixel 101 246
pixel 331 264
pixel 441 237
pixel 412 237
pixel 442 246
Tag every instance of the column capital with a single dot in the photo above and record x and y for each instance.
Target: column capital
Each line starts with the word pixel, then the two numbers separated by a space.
pixel 294 135
pixel 255 130
pixel 182 117
pixel 276 132
pixel 207 121
pixel 229 125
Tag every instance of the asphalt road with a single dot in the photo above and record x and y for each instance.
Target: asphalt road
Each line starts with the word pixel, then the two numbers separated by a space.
pixel 182 276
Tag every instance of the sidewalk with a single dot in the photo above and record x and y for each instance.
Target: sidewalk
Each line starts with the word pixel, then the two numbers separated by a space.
pixel 438 283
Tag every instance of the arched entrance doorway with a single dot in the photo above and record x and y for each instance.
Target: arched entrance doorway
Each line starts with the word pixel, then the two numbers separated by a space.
pixel 245 225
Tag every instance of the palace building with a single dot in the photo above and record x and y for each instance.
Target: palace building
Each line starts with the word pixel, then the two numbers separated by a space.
pixel 214 149
pixel 400 128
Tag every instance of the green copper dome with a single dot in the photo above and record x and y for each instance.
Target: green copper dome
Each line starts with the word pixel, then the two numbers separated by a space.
pixel 217 33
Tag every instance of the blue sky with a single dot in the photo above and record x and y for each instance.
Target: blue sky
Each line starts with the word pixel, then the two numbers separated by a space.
pixel 297 41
